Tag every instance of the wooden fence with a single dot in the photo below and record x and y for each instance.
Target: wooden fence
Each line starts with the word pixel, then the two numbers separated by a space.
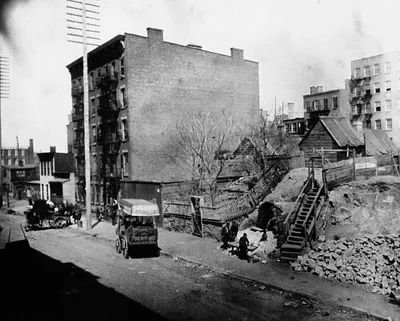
pixel 360 167
pixel 239 207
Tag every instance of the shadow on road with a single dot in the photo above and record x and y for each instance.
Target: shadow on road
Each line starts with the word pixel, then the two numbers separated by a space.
pixel 140 252
pixel 36 287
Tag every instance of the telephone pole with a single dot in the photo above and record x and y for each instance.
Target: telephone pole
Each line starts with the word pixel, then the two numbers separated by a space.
pixel 78 13
pixel 4 93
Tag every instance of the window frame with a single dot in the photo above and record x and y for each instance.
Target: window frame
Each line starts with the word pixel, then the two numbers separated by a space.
pixel 378 121
pixel 377 104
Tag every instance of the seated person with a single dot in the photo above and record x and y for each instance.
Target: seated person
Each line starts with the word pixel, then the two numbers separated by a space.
pixel 264 236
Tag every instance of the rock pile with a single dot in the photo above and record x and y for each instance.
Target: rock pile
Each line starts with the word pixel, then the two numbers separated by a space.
pixel 371 260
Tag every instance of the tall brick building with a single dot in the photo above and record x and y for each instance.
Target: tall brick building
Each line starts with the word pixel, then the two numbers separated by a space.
pixel 139 89
pixel 375 94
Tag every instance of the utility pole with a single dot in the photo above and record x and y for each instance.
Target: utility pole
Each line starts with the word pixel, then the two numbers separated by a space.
pixel 4 93
pixel 79 14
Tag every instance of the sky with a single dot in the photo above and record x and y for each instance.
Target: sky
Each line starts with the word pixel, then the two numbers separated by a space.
pixel 297 43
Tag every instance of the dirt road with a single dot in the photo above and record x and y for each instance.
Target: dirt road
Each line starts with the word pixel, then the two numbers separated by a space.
pixel 71 276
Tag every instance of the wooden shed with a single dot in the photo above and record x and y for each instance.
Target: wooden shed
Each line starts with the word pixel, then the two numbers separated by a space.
pixel 331 133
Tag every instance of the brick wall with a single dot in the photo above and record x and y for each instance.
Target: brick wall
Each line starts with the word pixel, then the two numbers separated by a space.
pixel 166 80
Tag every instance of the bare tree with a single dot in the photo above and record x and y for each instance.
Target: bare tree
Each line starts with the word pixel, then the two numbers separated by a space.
pixel 203 142
pixel 266 143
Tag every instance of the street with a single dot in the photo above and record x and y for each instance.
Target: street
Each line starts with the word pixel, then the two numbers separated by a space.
pixel 69 275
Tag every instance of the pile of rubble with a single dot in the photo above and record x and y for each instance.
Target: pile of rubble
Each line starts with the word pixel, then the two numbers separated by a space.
pixel 371 260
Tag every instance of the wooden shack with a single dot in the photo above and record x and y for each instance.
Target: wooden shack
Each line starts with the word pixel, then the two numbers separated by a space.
pixel 331 133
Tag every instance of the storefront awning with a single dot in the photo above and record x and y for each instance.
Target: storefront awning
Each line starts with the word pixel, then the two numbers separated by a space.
pixel 138 207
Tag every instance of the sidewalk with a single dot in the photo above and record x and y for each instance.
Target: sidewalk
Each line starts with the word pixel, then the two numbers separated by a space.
pixel 206 252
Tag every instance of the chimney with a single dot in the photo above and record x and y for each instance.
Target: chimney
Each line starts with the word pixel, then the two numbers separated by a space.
pixel 53 149
pixel 155 35
pixel 316 89
pixel 237 54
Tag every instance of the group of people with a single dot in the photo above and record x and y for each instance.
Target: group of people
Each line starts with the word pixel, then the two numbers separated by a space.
pixel 228 233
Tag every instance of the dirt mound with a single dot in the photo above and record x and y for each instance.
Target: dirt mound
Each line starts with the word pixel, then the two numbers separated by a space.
pixel 290 186
pixel 366 207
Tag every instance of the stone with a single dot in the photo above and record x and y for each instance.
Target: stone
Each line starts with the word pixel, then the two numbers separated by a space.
pixel 322 238
pixel 318 270
pixel 331 267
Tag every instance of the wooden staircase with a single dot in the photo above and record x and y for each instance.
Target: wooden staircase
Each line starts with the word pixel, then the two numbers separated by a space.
pixel 300 222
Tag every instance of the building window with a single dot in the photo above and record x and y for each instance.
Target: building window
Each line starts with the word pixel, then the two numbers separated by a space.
pixel 293 128
pixel 368 124
pixel 316 105
pixel 22 152
pixel 377 69
pixel 91 86
pixel 358 91
pixel 124 163
pixel 94 134
pixel 99 73
pixel 377 88
pixel 368 107
pixel 123 97
pixel 388 85
pixel 122 67
pixel 308 106
pixel 335 103
pixel 94 164
pixel 388 67
pixel 357 72
pixel 389 125
pixel 112 69
pixel 378 124
pixel 9 152
pixel 377 106
pixel 388 104
pixel 367 71
pixel 325 103
pixel 358 109
pixel 93 106
pixel 367 89
pixel 124 129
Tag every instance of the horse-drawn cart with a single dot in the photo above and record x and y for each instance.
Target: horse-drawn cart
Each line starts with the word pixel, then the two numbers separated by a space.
pixel 136 226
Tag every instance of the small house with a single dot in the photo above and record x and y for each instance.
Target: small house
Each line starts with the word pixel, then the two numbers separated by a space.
pixel 335 135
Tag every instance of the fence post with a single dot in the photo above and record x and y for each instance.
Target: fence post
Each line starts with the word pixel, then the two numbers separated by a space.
pixel 354 164
pixel 322 158
pixel 392 161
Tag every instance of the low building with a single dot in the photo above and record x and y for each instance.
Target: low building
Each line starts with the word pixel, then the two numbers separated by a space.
pixel 331 133
pixel 294 126
pixel 18 179
pixel 322 102
pixel 57 176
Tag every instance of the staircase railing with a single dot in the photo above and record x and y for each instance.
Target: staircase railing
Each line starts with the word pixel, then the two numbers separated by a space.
pixel 308 185
pixel 314 211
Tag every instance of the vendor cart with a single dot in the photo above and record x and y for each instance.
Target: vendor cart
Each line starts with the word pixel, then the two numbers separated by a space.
pixel 136 226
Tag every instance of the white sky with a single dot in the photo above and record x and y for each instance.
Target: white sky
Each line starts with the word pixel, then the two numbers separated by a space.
pixel 298 44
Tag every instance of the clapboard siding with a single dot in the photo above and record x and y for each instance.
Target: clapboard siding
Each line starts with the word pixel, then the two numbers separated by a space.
pixel 318 138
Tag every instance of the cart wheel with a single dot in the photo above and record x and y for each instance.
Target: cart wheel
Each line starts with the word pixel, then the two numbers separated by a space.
pixel 118 245
pixel 125 248
pixel 60 222
pixel 52 223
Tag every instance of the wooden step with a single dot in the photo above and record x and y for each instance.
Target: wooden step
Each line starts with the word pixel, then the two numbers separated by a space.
pixel 291 248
